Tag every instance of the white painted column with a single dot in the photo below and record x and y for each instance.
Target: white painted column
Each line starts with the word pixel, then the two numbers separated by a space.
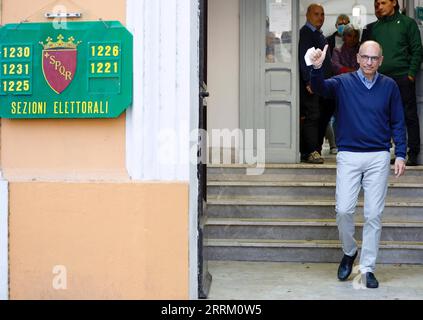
pixel 165 105
pixel 4 239
pixel 165 82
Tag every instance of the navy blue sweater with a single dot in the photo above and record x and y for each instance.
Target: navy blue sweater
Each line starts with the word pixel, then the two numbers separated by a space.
pixel 366 118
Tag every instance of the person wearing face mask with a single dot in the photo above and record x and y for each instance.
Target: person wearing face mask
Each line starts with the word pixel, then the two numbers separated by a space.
pixel 336 39
pixel 344 59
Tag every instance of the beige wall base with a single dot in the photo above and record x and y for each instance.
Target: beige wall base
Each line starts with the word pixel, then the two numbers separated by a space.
pixel 115 240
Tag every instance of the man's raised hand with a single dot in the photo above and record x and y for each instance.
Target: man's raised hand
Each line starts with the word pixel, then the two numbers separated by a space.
pixel 318 57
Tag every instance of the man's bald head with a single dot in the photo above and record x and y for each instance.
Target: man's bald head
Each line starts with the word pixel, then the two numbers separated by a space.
pixel 371 44
pixel 316 15
pixel 314 6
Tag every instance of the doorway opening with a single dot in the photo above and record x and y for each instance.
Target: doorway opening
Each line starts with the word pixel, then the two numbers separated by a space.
pixel 252 88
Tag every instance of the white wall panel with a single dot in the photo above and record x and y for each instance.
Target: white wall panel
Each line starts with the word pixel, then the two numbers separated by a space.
pixel 165 89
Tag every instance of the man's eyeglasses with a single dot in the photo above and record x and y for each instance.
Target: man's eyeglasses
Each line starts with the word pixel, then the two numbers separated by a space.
pixel 372 58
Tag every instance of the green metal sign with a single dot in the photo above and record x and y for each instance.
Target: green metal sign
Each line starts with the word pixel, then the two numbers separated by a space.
pixel 81 70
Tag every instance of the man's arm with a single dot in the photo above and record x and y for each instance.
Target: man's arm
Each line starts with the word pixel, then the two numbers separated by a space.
pixel 398 123
pixel 416 51
pixel 319 85
pixel 325 88
pixel 398 130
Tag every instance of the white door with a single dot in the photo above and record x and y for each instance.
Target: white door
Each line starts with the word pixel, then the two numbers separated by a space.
pixel 269 69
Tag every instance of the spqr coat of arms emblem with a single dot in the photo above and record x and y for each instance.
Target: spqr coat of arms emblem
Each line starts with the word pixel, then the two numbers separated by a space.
pixel 59 62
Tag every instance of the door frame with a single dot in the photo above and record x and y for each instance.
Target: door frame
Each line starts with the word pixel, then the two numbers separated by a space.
pixel 204 277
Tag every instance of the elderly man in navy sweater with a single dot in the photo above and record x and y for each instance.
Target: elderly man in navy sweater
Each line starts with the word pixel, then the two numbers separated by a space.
pixel 369 113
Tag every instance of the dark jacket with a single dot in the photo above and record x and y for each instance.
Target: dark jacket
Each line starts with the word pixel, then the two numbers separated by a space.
pixel 367 32
pixel 400 39
pixel 309 39
pixel 332 42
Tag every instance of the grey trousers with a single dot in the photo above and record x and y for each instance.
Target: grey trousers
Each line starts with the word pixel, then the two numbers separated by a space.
pixel 369 170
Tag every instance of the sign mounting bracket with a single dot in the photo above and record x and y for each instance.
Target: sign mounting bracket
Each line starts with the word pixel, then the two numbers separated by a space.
pixel 63 15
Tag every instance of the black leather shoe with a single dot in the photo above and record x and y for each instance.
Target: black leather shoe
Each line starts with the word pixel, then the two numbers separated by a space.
pixel 346 266
pixel 412 160
pixel 371 281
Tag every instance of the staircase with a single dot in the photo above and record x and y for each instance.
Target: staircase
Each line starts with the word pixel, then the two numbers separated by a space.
pixel 288 215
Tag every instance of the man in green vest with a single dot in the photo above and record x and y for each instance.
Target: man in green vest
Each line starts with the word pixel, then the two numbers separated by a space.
pixel 400 39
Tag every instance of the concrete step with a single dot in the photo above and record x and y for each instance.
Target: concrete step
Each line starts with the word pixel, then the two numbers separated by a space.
pixel 268 168
pixel 287 211
pixel 299 171
pixel 298 178
pixel 288 208
pixel 301 190
pixel 304 251
pixel 288 214
pixel 281 229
